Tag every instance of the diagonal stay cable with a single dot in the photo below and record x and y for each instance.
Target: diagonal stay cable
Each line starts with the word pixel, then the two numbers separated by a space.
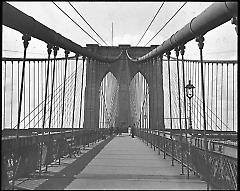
pixel 87 23
pixel 75 23
pixel 151 23
pixel 166 23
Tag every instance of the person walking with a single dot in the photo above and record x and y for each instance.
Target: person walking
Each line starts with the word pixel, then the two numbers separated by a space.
pixel 129 130
pixel 117 131
pixel 111 131
pixel 133 131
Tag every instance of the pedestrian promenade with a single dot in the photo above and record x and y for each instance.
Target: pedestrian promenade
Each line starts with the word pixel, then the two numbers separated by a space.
pixel 128 163
pixel 122 163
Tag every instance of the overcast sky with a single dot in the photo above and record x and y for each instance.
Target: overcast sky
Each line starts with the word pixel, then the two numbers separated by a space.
pixel 130 20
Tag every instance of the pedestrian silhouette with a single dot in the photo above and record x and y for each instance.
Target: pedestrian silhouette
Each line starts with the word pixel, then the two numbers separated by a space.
pixel 133 131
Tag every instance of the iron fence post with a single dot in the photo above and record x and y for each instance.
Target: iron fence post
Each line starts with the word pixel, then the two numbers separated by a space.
pixel 200 40
pixel 26 38
pixel 55 49
pixel 179 102
pixel 49 50
pixel 182 51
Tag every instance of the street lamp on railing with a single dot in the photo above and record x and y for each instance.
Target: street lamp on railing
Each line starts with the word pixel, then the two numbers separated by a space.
pixel 189 93
pixel 189 89
pixel 145 120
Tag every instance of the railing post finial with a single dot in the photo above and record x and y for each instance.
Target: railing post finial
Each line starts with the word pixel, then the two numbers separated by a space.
pixel 55 49
pixel 177 51
pixel 66 53
pixel 49 48
pixel 182 49
pixel 200 39
pixel 168 54
pixel 234 21
pixel 76 55
pixel 84 58
pixel 25 39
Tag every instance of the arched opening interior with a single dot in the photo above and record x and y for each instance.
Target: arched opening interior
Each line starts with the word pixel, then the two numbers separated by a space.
pixel 139 101
pixel 108 93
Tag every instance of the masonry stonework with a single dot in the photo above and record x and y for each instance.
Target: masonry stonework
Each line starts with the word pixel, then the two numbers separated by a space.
pixel 124 69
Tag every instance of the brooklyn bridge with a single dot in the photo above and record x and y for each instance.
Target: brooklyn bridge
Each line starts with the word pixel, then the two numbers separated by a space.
pixel 119 116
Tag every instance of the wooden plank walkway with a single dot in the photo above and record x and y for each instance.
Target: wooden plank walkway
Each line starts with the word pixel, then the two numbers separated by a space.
pixel 128 163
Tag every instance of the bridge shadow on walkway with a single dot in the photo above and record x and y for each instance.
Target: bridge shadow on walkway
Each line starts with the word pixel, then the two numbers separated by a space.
pixel 128 163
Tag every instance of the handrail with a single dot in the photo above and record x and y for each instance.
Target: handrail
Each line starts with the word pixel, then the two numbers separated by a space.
pixel 211 61
pixel 45 59
pixel 188 60
pixel 16 19
pixel 212 17
pixel 36 59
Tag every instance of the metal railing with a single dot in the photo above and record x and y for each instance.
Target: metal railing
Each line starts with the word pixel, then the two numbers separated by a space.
pixel 28 161
pixel 34 90
pixel 219 171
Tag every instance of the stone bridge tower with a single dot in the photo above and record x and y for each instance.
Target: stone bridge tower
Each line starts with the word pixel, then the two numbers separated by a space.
pixel 124 69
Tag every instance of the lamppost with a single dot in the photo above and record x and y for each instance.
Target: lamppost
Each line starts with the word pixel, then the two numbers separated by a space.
pixel 189 93
pixel 145 127
pixel 145 120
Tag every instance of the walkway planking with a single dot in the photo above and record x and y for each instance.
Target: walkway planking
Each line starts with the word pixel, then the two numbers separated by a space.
pixel 59 176
pixel 128 163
